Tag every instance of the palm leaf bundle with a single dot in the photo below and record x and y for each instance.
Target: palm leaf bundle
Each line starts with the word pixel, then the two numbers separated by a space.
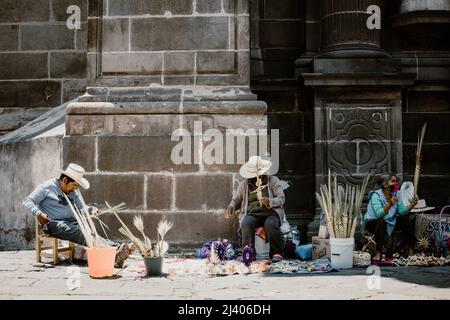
pixel 96 217
pixel 342 206
pixel 145 246
pixel 420 138
pixel 87 226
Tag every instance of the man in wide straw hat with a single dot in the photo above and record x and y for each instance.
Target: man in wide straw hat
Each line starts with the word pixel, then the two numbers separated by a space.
pixel 48 204
pixel 260 198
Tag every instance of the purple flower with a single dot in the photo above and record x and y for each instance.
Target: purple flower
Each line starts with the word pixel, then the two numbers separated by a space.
pixel 248 255
pixel 219 249
pixel 206 250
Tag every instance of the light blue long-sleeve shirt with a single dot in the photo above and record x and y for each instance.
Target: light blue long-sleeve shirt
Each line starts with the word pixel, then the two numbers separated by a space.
pixel 49 198
pixel 375 209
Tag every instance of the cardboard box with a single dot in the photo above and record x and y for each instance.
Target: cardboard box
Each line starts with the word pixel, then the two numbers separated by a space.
pixel 321 248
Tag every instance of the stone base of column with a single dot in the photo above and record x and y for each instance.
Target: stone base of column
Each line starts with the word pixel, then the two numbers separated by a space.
pixel 353 51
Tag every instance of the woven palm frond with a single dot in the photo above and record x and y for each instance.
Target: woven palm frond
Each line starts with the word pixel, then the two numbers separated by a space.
pixel 341 206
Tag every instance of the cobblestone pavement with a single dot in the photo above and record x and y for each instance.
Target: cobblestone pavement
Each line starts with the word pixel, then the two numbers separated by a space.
pixel 22 278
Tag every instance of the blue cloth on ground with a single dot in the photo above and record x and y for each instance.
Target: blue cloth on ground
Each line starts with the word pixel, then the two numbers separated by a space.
pixel 304 252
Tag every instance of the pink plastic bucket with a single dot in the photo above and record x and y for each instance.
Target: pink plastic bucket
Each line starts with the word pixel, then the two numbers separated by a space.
pixel 101 261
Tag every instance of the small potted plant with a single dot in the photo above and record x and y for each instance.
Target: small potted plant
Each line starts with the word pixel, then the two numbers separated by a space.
pixel 153 254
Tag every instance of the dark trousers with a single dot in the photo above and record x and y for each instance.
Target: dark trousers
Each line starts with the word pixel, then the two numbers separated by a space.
pixel 68 230
pixel 272 226
pixel 378 228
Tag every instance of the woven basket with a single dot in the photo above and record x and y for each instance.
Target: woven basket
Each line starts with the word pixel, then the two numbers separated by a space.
pixel 361 259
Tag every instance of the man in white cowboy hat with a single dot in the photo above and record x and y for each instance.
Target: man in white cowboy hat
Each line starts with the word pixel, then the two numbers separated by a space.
pixel 48 204
pixel 260 199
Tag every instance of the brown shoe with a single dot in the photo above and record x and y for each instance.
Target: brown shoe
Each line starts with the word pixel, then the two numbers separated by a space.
pixel 122 254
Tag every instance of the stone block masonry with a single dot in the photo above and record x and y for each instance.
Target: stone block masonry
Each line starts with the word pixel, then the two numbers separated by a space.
pixel 208 43
pixel 123 137
pixel 42 62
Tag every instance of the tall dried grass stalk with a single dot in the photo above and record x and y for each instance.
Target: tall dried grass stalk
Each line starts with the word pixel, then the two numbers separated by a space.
pixel 145 246
pixel 87 226
pixel 420 138
pixel 342 206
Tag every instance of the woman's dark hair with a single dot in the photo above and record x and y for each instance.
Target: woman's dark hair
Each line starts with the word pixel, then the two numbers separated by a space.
pixel 385 178
pixel 69 179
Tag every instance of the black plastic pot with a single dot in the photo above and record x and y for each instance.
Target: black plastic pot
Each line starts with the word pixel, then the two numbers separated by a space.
pixel 153 266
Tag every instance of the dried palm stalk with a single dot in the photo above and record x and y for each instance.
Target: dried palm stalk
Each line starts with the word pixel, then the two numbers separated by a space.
pixel 342 206
pixel 420 138
pixel 127 232
pixel 102 224
pixel 259 184
pixel 120 206
pixel 145 247
pixel 163 227
pixel 87 226
pixel 139 224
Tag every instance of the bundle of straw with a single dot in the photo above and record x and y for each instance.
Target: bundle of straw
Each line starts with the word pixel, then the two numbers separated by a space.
pixel 145 246
pixel 96 216
pixel 87 226
pixel 342 206
pixel 420 137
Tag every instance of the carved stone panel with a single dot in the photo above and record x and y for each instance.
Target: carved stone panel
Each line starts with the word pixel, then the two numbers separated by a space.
pixel 360 140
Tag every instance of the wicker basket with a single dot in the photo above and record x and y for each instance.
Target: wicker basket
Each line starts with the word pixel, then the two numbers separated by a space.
pixel 361 259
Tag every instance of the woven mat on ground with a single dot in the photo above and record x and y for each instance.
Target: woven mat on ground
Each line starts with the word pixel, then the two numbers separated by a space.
pixel 414 260
pixel 298 266
pixel 203 266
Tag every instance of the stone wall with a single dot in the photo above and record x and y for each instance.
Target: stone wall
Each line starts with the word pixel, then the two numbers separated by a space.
pixel 208 42
pixel 155 67
pixel 126 148
pixel 42 62
pixel 421 40
pixel 430 106
pixel 24 165
pixel 277 40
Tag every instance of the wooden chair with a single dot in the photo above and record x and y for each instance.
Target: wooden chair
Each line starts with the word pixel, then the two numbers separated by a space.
pixel 41 236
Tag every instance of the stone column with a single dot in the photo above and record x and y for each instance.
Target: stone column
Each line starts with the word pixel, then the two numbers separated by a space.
pixel 156 67
pixel 344 29
pixel 357 96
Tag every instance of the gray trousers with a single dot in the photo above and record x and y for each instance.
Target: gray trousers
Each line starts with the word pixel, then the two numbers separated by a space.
pixel 68 230
pixel 271 224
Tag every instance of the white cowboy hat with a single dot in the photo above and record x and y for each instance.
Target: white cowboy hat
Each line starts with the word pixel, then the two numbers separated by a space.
pixel 421 206
pixel 76 172
pixel 253 166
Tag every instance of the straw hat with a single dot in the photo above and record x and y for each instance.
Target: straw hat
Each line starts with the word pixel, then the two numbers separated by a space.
pixel 254 166
pixel 407 190
pixel 421 206
pixel 76 172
